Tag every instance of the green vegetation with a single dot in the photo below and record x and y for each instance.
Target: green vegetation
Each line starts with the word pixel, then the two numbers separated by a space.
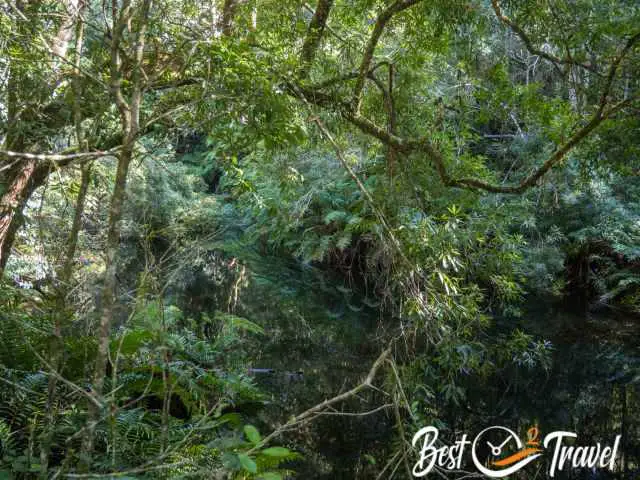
pixel 256 239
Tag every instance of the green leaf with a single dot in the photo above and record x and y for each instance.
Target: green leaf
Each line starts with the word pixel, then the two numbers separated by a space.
pixel 239 323
pixel 334 216
pixel 131 342
pixel 252 434
pixel 247 463
pixel 276 452
pixel 270 476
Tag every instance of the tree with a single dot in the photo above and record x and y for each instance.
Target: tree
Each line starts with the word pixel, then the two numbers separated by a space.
pixel 347 92
pixel 426 195
pixel 27 117
pixel 350 107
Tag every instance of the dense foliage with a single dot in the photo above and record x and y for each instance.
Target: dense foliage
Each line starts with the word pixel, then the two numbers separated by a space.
pixel 260 239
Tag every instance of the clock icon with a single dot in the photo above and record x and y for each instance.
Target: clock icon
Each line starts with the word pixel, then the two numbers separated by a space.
pixel 497 451
pixel 506 438
pixel 508 441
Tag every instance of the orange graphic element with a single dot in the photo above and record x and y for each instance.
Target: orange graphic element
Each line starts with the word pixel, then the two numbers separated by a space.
pixel 532 436
pixel 532 442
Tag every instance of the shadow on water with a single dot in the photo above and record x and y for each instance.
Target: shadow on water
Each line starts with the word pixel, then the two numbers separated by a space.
pixel 592 387
pixel 320 341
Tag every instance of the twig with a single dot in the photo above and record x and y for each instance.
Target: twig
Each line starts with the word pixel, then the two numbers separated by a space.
pixel 358 414
pixel 321 407
pixel 127 472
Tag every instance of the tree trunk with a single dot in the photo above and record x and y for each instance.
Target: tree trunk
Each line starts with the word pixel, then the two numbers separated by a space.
pixel 228 16
pixel 21 180
pixel 108 296
pixel 18 182
pixel 314 35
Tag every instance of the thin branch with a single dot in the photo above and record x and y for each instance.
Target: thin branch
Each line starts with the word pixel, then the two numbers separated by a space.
pixel 381 22
pixel 169 113
pixel 60 158
pixel 321 407
pixel 389 463
pixel 119 24
pixel 138 73
pixel 346 77
pixel 128 472
pixel 359 414
pixel 529 44
pixel 620 106
pixel 8 166
pixel 52 371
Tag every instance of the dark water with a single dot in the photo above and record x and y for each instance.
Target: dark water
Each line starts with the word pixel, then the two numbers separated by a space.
pixel 321 340
pixel 592 387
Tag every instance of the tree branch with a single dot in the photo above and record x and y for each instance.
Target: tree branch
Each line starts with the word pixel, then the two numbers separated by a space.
pixel 427 147
pixel 564 149
pixel 321 407
pixel 381 22
pixel 347 76
pixel 529 44
pixel 120 21
pixel 60 159
pixel 314 35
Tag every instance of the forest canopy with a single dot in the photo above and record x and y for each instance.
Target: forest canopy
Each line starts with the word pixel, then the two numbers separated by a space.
pixel 267 239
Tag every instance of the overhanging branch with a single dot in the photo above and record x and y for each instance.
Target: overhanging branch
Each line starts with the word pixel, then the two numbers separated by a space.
pixel 517 29
pixel 435 155
pixel 60 159
pixel 320 408
pixel 381 22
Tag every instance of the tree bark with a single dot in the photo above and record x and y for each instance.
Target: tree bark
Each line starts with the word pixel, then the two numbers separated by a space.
pixel 21 180
pixel 130 123
pixel 228 16
pixel 314 35
pixel 22 177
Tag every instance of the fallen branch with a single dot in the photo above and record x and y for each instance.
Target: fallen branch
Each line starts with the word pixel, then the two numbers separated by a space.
pixel 320 408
